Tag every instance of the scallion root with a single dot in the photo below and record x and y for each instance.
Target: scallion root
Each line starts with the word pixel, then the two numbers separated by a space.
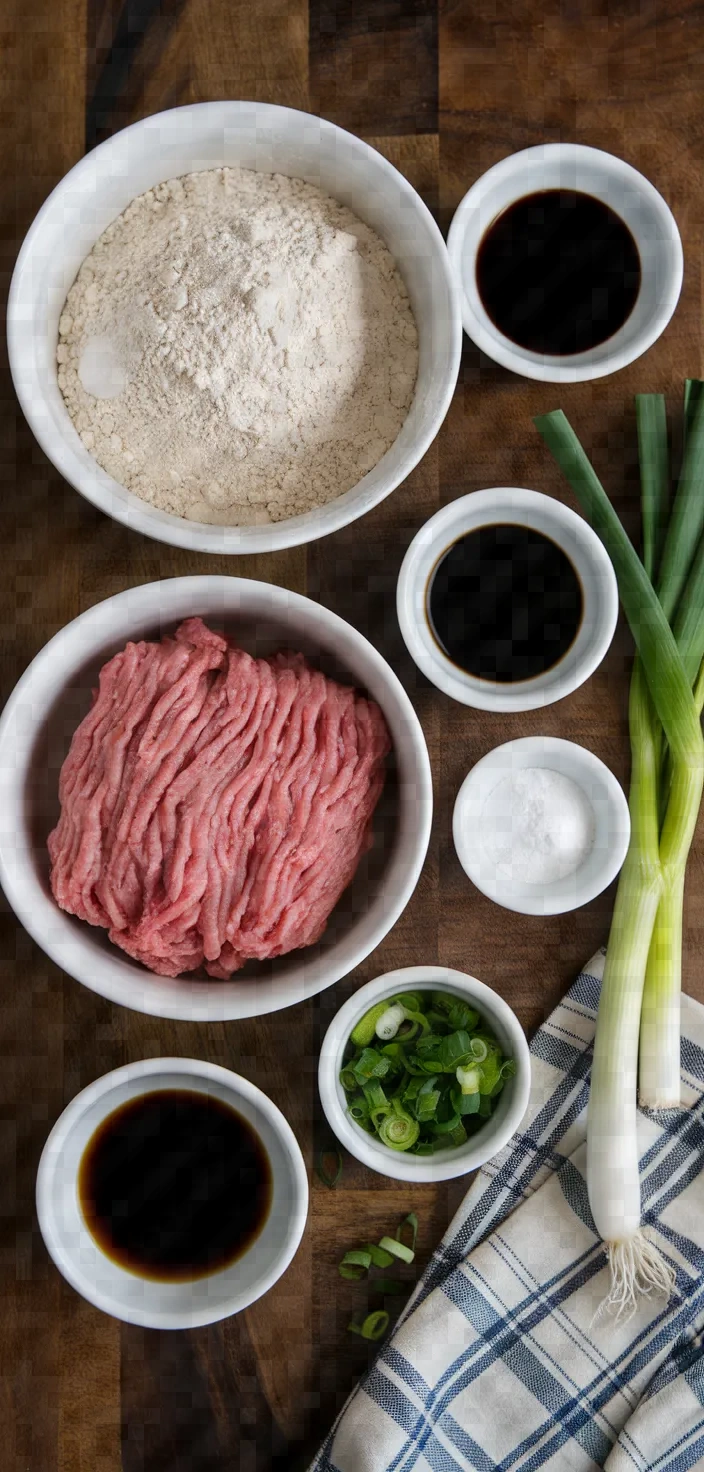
pixel 637 1269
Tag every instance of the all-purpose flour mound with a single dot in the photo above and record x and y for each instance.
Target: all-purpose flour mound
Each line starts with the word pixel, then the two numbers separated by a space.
pixel 237 347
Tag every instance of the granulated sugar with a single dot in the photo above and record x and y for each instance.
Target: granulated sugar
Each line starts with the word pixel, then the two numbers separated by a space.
pixel 237 348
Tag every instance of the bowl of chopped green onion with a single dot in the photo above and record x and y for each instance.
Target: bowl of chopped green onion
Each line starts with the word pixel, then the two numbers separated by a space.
pixel 424 1073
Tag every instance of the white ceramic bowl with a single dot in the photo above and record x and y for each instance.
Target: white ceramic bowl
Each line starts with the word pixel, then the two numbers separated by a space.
pixel 585 552
pixel 211 135
pixel 139 1300
pixel 35 733
pixel 605 177
pixel 454 1161
pixel 611 825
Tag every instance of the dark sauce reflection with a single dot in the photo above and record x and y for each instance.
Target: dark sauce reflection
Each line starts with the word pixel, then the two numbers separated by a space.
pixel 504 603
pixel 558 272
pixel 175 1185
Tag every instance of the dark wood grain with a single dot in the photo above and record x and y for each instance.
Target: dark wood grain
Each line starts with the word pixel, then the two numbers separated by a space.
pixel 373 64
pixel 443 91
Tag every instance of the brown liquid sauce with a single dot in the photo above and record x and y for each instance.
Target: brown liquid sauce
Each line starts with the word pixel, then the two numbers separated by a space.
pixel 175 1185
pixel 558 272
pixel 504 603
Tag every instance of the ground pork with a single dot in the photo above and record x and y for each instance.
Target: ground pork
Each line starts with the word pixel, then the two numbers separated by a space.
pixel 214 806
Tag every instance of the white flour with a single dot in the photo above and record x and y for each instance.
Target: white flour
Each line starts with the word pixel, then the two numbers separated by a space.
pixel 237 347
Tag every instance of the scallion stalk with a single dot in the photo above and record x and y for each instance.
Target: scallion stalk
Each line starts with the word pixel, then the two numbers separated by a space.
pixel 652 862
pixel 681 591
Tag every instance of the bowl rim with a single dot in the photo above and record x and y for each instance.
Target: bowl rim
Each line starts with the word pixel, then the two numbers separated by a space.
pixel 509 503
pixel 144 1071
pixel 421 1169
pixel 162 526
pixel 506 892
pixel 597 362
pixel 30 903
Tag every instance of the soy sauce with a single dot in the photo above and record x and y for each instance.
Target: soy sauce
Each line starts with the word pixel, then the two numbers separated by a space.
pixel 504 603
pixel 558 272
pixel 175 1185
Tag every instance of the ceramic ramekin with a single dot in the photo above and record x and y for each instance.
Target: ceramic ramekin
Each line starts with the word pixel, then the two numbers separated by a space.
pixel 213 135
pixel 580 544
pixel 611 820
pixel 139 1300
pixel 454 1160
pixel 616 183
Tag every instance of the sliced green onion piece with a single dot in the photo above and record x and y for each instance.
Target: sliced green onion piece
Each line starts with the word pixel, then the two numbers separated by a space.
pixel 329 1167
pixel 446 1126
pixel 373 1327
pixel 370 1064
pixel 478 1049
pixel 363 1033
pixel 397 1249
pixel 355 1264
pixel 348 1081
pixel 410 1221
pixel 374 1095
pixel 378 1255
pixel 468 1079
pixel 399 1130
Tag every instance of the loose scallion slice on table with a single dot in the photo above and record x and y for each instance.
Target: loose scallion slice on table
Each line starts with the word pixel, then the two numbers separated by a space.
pixel 644 937
pixel 373 1327
pixel 329 1167
pixel 355 1263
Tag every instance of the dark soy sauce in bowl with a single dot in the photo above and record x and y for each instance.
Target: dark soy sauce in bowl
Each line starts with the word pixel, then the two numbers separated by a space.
pixel 558 272
pixel 175 1185
pixel 504 603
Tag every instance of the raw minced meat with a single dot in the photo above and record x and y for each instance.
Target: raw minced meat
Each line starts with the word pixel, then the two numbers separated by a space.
pixel 214 806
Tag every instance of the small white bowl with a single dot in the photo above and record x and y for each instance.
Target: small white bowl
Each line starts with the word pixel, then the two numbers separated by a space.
pixel 454 1161
pixel 584 550
pixel 54 695
pixel 212 135
pixel 139 1300
pixel 616 183
pixel 612 825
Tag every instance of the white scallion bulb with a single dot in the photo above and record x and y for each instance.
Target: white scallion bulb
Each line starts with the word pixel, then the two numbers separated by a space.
pixel 389 1023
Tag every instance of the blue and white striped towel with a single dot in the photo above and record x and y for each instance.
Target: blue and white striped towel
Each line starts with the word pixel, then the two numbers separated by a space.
pixel 497 1362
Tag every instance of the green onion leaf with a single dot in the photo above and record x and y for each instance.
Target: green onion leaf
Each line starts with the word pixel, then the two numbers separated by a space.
pixel 447 1126
pixel 654 475
pixel 370 1064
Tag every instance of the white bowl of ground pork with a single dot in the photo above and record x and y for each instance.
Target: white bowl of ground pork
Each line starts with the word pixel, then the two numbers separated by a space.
pixel 383 443
pixel 53 697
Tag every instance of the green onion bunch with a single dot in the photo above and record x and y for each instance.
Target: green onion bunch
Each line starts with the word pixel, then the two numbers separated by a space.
pixel 637 1043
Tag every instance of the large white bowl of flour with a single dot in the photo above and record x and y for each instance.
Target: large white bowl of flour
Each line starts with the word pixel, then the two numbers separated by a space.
pixel 230 135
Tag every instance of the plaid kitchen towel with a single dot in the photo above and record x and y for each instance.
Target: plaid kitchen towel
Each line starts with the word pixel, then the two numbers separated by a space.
pixel 498 1361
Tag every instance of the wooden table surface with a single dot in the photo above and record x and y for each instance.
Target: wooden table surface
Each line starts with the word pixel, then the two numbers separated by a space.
pixel 444 91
